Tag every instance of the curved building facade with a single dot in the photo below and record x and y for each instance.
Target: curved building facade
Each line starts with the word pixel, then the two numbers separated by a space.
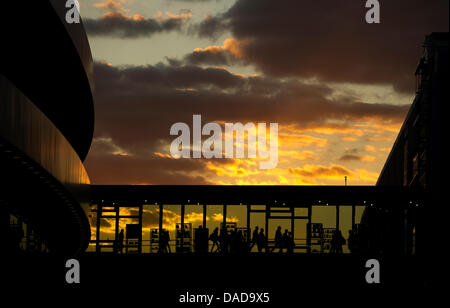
pixel 46 129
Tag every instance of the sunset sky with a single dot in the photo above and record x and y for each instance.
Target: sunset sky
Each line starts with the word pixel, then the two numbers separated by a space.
pixel 338 87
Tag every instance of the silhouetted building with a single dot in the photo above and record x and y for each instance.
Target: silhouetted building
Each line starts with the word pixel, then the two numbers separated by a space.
pixel 415 161
pixel 46 129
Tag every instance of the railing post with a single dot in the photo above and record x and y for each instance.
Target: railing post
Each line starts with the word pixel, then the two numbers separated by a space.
pixel 97 233
pixel 160 227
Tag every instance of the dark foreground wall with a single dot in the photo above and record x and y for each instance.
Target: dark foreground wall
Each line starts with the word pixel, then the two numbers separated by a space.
pixel 50 62
pixel 46 128
pixel 416 161
pixel 43 180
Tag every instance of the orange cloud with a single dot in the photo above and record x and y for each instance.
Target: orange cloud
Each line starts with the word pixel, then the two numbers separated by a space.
pixel 349 139
pixel 234 47
pixel 319 171
pixel 162 155
pixel 236 168
pixel 368 176
pixel 184 14
pixel 298 155
pixel 370 148
pixel 325 129
pixel 113 5
pixel 219 218
pixel 231 45
pixel 290 140
pixel 350 157
pixel 105 63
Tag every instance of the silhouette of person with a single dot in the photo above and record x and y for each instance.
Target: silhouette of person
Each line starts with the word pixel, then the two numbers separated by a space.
pixel 261 242
pixel 285 240
pixel 254 238
pixel 278 240
pixel 290 243
pixel 333 245
pixel 214 237
pixel 120 242
pixel 164 246
pixel 166 242
pixel 336 242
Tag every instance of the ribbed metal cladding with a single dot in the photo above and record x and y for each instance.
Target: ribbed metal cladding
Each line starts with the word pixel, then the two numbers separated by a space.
pixel 50 62
pixel 39 161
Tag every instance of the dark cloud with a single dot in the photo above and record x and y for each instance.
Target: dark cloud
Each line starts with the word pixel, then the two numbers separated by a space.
pixel 215 55
pixel 220 57
pixel 211 27
pixel 116 24
pixel 350 157
pixel 150 218
pixel 138 79
pixel 181 91
pixel 136 106
pixel 330 40
pixel 140 169
pixel 352 151
pixel 192 0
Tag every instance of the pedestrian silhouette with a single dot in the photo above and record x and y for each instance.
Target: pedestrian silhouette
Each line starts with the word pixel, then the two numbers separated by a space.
pixel 278 240
pixel 254 238
pixel 336 242
pixel 214 237
pixel 285 240
pixel 290 243
pixel 120 242
pixel 261 241
pixel 166 237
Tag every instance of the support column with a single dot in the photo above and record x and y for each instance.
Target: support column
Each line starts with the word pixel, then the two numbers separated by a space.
pixel 224 218
pixel 160 226
pixel 248 224
pixel 337 217
pixel 116 233
pixel 97 235
pixel 308 230
pixel 292 220
pixel 204 216
pixel 140 229
pixel 224 248
pixel 182 229
pixel 353 216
